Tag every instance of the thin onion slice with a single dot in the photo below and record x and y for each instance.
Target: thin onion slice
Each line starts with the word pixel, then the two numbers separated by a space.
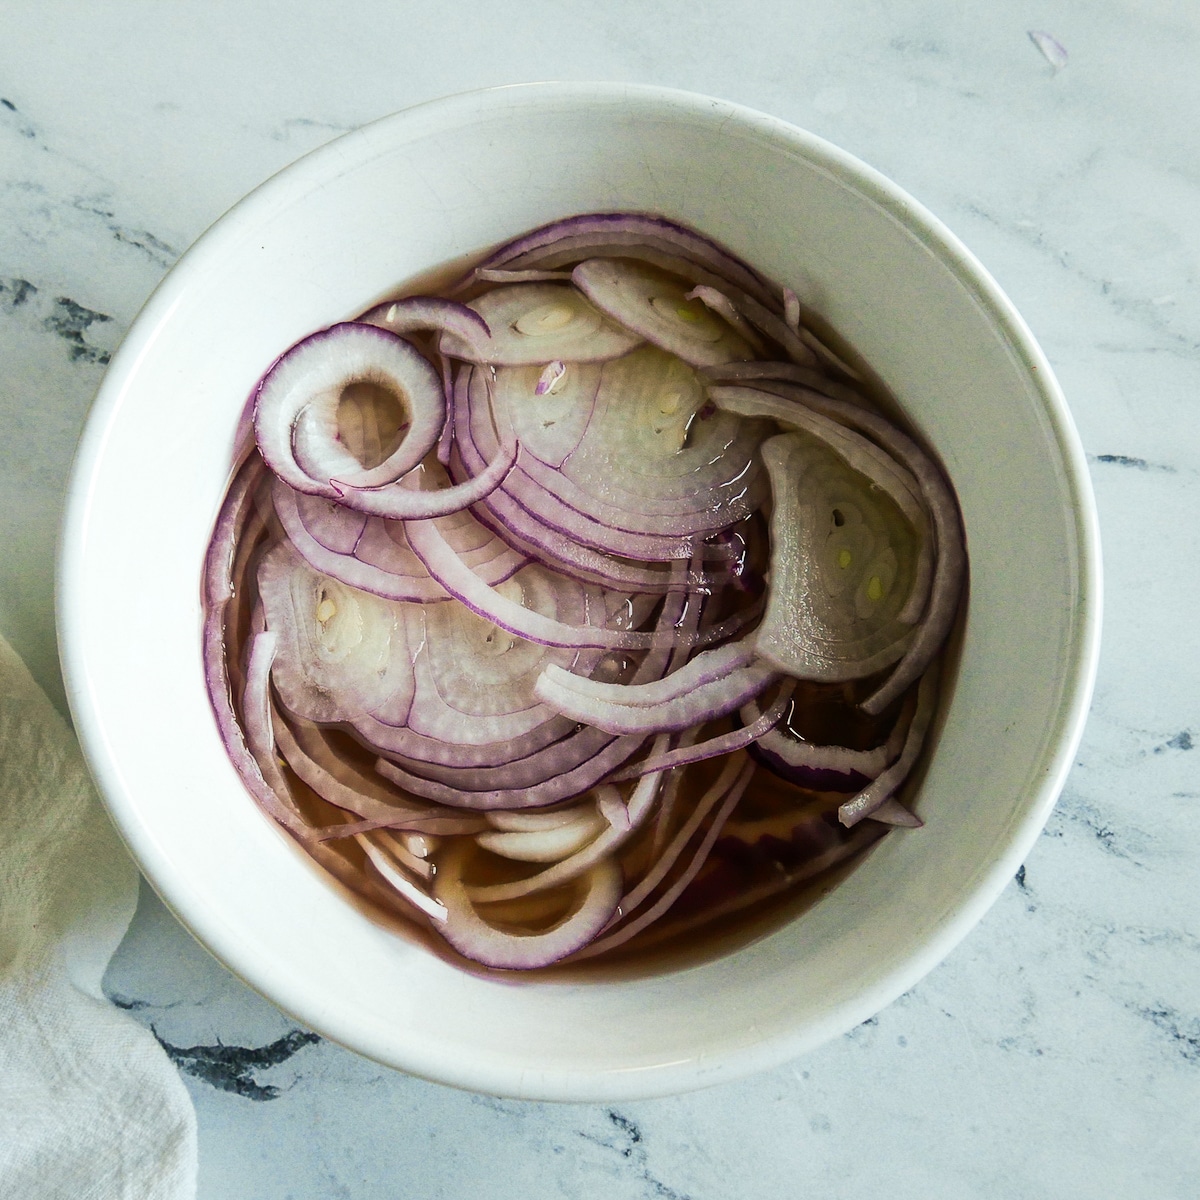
pixel 624 235
pixel 629 486
pixel 260 739
pixel 757 724
pixel 704 669
pixel 341 651
pixel 406 501
pixel 410 581
pixel 537 323
pixel 500 275
pixel 705 703
pixel 829 767
pixel 720 303
pixel 538 820
pixel 419 313
pixel 842 559
pixel 237 739
pixel 472 935
pixel 950 570
pixel 396 878
pixel 298 402
pixel 639 807
pixel 548 422
pixel 334 780
pixel 883 787
pixel 462 583
pixel 544 845
pixel 678 886
pixel 758 374
pixel 657 308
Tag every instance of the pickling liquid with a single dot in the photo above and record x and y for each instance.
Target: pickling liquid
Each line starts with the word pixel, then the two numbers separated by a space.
pixel 781 850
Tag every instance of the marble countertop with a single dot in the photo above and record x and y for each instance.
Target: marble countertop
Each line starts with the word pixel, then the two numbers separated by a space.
pixel 1057 1051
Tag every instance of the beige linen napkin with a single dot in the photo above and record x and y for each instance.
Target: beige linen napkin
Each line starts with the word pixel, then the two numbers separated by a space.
pixel 90 1106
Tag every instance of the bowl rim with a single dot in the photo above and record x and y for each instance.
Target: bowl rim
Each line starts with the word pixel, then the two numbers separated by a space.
pixel 443 116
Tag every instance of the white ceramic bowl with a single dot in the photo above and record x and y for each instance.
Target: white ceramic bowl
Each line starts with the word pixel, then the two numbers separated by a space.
pixel 343 226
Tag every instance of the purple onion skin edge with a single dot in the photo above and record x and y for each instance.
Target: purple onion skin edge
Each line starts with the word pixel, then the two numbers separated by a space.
pixel 815 778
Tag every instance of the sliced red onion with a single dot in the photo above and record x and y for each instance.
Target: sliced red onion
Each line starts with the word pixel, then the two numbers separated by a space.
pixel 656 307
pixel 325 522
pixel 760 310
pixel 942 506
pixel 678 886
pixel 539 820
pixel 298 400
pixel 755 299
pixel 586 518
pixel 757 724
pixel 720 304
pixel 892 812
pixel 499 275
pixel 335 781
pixel 236 508
pixel 544 845
pixel 474 937
pixel 670 793
pixel 830 768
pixel 633 488
pixel 704 669
pixel 396 878
pixel 418 313
pixel 791 310
pixel 653 459
pixel 384 545
pixel 641 803
pixel 527 533
pixel 473 681
pixel 552 374
pixel 755 373
pixel 405 501
pixel 462 583
pixel 408 581
pixel 442 702
pixel 881 789
pixel 256 717
pixel 555 787
pixel 704 703
pixel 859 840
pixel 219 589
pixel 529 774
pixel 841 567
pixel 549 410
pixel 396 847
pixel 538 322
pixel 861 455
pixel 613 808
pixel 869 460
pixel 341 651
pixel 570 747
pixel 625 234
pixel 730 776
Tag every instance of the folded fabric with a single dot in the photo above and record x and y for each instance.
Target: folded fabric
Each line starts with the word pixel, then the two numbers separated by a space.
pixel 90 1106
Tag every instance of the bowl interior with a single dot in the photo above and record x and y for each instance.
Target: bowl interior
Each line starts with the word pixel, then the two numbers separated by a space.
pixel 343 227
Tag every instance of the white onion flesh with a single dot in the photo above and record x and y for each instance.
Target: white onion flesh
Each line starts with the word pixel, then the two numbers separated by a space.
pixel 842 559
pixel 539 322
pixel 657 307
pixel 297 408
